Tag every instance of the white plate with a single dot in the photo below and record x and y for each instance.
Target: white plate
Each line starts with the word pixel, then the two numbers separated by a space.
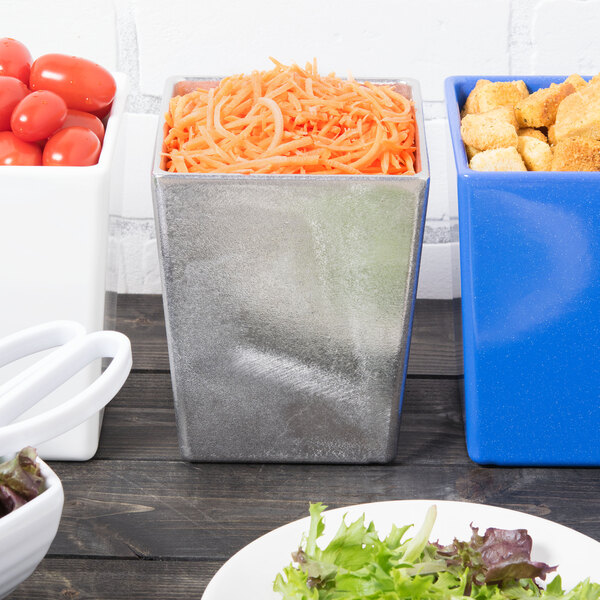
pixel 250 573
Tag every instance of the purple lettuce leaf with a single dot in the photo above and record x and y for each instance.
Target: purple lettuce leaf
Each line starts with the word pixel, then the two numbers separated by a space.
pixel 9 500
pixel 20 480
pixel 498 556
pixel 506 554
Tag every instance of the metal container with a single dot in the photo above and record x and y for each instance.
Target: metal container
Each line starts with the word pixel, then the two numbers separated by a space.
pixel 289 302
pixel 530 284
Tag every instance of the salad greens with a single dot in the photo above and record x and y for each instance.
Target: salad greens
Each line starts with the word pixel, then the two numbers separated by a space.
pixel 358 565
pixel 20 480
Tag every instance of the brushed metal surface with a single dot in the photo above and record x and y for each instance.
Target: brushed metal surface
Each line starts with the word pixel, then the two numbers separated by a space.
pixel 288 302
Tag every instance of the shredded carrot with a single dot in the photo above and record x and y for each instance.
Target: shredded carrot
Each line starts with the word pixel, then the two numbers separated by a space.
pixel 291 120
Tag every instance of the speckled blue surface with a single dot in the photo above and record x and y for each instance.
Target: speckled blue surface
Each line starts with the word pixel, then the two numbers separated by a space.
pixel 530 281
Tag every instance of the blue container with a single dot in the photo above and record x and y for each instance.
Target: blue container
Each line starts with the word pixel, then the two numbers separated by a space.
pixel 530 281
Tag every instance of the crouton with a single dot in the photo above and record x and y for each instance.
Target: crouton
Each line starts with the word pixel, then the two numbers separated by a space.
pixel 472 102
pixel 576 154
pixel 552 135
pixel 577 81
pixel 500 159
pixel 500 93
pixel 503 113
pixel 539 109
pixel 486 133
pixel 595 79
pixel 531 132
pixel 536 154
pixel 579 114
pixel 471 152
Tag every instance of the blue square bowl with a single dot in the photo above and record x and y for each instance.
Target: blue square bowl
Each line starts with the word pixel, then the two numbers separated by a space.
pixel 530 282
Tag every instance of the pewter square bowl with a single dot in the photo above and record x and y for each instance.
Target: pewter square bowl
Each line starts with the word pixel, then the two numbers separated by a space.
pixel 289 302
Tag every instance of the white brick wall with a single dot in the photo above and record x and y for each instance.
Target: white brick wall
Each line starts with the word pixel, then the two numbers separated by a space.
pixel 84 29
pixel 566 37
pixel 150 40
pixel 371 38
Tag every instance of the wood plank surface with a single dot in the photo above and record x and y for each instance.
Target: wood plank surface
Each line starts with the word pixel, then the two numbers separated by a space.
pixel 139 522
pixel 435 348
pixel 142 319
pixel 89 579
pixel 166 510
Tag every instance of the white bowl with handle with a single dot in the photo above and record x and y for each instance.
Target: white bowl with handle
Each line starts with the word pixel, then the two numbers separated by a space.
pixel 54 226
pixel 27 532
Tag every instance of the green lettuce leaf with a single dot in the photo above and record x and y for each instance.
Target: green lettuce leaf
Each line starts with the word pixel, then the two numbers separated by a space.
pixel 357 565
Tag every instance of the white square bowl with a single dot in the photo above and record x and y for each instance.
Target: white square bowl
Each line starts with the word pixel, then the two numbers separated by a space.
pixel 54 240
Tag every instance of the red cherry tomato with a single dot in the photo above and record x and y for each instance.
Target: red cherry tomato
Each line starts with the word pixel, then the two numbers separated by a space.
pixel 12 91
pixel 83 84
pixel 103 111
pixel 72 147
pixel 15 59
pixel 84 119
pixel 38 116
pixel 14 151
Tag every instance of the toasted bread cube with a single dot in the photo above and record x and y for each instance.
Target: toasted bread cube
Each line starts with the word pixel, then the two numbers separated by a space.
pixel 595 79
pixel 471 152
pixel 579 114
pixel 552 135
pixel 537 155
pixel 577 81
pixel 472 102
pixel 500 93
pixel 503 113
pixel 486 133
pixel 576 154
pixel 539 109
pixel 531 132
pixel 500 159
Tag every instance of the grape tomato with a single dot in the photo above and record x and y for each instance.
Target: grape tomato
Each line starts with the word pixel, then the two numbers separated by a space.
pixel 12 91
pixel 84 119
pixel 83 84
pixel 51 109
pixel 72 147
pixel 38 115
pixel 14 151
pixel 15 59
pixel 103 111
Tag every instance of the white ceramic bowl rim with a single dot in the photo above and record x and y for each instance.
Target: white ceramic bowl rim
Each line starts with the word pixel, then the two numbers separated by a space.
pixel 52 487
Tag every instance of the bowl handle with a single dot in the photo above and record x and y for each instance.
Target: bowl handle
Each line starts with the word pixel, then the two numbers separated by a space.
pixel 31 340
pixel 50 373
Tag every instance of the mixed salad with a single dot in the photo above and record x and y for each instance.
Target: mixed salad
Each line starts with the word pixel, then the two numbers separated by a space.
pixel 357 564
pixel 20 480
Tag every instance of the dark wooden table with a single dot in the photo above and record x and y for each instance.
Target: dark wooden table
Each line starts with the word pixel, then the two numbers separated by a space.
pixel 140 523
